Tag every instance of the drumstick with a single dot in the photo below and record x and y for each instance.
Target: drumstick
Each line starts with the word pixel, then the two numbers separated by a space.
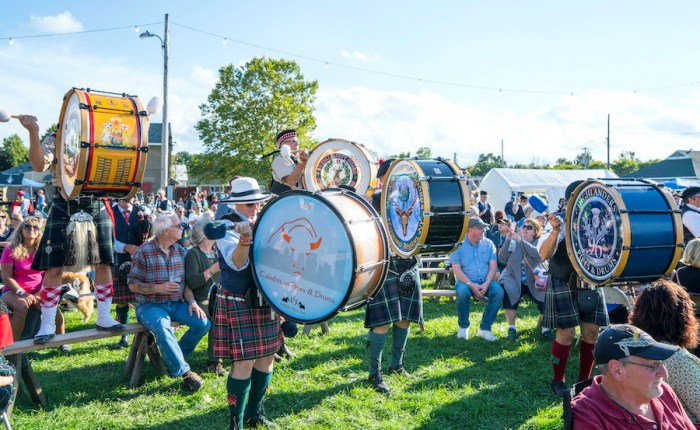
pixel 5 115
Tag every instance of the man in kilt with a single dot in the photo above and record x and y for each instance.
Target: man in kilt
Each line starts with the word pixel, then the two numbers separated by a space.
pixel 56 247
pixel 398 302
pixel 157 277
pixel 245 328
pixel 567 305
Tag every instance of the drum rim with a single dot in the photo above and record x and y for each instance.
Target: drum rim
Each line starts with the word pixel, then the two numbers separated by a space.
pixel 353 275
pixel 310 169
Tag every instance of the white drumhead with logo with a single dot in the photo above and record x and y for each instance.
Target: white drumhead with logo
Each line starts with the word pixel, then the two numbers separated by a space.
pixel 338 162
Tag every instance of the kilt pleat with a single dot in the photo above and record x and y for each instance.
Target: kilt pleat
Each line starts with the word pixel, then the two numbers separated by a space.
pixel 388 306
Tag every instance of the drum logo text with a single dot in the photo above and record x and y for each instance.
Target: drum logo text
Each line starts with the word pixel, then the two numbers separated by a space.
pixel 596 232
pixel 337 169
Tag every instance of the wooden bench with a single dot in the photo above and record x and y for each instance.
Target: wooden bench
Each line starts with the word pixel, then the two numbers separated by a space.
pixel 142 345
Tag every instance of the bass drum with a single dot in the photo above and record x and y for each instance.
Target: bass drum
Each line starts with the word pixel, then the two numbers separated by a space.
pixel 338 162
pixel 623 230
pixel 101 144
pixel 424 206
pixel 315 254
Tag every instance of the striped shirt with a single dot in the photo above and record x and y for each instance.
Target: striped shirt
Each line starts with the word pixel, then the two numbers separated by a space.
pixel 150 265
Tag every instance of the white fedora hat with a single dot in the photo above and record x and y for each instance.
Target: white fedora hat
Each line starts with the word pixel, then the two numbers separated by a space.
pixel 246 190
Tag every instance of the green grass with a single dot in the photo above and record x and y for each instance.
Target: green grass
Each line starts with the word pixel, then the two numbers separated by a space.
pixel 459 384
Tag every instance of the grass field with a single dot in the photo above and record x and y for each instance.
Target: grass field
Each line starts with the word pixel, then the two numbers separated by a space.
pixel 459 384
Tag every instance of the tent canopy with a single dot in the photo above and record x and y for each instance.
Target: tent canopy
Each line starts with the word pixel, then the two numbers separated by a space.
pixel 501 183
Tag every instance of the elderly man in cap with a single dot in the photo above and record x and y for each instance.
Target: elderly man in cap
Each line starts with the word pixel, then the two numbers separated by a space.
pixel 398 303
pixel 246 330
pixel 630 392
pixel 475 266
pixel 691 213
pixel 286 167
pixel 158 278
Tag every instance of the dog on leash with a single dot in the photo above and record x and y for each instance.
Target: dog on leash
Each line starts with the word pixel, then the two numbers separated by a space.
pixel 85 302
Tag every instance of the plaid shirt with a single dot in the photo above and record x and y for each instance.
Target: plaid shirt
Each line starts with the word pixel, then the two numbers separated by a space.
pixel 150 265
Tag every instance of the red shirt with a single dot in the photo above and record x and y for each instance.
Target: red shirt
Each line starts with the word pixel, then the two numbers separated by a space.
pixel 593 409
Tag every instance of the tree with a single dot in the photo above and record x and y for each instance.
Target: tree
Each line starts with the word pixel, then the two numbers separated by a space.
pixel 244 112
pixel 399 155
pixel 424 153
pixel 13 152
pixel 485 163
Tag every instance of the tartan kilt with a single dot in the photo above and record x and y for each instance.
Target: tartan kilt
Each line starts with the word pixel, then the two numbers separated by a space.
pixel 51 252
pixel 122 294
pixel 561 308
pixel 242 333
pixel 388 306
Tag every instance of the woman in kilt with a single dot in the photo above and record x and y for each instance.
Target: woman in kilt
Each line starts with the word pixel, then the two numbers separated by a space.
pixel 245 329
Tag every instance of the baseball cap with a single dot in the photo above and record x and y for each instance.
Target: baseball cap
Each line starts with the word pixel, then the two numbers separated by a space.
pixel 477 223
pixel 623 340
pixel 20 193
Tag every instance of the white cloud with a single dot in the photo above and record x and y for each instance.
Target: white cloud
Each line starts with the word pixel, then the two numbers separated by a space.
pixel 389 122
pixel 64 22
pixel 357 55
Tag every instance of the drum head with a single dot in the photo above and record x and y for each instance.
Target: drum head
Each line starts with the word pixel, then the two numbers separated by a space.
pixel 303 257
pixel 338 162
pixel 404 199
pixel 68 144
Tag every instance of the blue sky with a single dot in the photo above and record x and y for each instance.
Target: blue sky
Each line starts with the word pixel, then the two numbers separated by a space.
pixel 542 76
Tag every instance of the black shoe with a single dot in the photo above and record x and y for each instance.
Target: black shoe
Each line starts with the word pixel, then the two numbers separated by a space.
pixel 65 348
pixel 44 338
pixel 123 343
pixel 192 381
pixel 378 383
pixel 257 421
pixel 559 388
pixel 277 358
pixel 114 328
pixel 400 371
pixel 285 352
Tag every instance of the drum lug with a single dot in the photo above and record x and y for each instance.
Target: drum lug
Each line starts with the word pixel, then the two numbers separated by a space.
pixel 426 213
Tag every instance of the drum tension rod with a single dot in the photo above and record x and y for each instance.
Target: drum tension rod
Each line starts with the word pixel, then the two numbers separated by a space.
pixel 128 184
pixel 628 248
pixel 446 213
pixel 369 266
pixel 439 178
pixel 118 147
pixel 647 211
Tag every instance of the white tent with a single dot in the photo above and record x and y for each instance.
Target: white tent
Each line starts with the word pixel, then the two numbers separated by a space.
pixel 501 183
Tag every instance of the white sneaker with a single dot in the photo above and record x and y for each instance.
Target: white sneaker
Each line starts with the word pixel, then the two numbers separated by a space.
pixel 463 333
pixel 487 335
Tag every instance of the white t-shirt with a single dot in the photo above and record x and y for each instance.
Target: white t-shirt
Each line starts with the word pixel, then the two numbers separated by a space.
pixel 281 167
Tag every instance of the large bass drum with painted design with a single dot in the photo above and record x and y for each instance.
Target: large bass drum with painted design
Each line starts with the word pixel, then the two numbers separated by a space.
pixel 623 230
pixel 337 162
pixel 424 206
pixel 315 254
pixel 101 144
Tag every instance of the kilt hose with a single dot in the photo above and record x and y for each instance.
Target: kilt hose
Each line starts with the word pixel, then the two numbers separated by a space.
pixel 388 306
pixel 561 309
pixel 51 253
pixel 243 333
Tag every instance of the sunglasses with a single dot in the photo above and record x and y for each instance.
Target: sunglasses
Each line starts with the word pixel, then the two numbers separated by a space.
pixel 3 216
pixel 31 227
pixel 177 226
pixel 528 227
pixel 14 219
pixel 250 205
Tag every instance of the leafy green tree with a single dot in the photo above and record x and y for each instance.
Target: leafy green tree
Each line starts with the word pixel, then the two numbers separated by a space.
pixel 13 152
pixel 485 163
pixel 244 112
pixel 424 152
pixel 399 155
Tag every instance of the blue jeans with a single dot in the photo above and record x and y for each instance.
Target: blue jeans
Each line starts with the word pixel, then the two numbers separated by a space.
pixel 157 318
pixel 464 294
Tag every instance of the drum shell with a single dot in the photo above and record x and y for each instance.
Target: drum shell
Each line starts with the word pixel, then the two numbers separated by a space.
pixel 357 159
pixel 107 157
pixel 351 221
pixel 649 233
pixel 442 207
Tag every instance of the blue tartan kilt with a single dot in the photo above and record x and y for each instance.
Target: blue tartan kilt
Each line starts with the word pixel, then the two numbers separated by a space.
pixel 388 306
pixel 243 333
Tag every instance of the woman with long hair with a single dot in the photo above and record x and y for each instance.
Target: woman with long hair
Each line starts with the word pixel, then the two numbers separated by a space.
pixel 666 312
pixel 22 284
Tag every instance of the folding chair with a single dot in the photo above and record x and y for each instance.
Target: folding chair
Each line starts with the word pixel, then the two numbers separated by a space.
pixel 568 414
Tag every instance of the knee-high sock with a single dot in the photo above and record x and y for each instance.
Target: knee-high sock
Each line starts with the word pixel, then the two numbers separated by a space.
pixel 398 345
pixel 50 295
pixel 123 314
pixel 238 390
pixel 375 342
pixel 259 381
pixel 103 294
pixel 585 351
pixel 560 355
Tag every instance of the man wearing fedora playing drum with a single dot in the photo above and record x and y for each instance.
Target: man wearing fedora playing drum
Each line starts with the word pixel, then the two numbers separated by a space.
pixel 245 328
pixel 55 250
pixel 286 168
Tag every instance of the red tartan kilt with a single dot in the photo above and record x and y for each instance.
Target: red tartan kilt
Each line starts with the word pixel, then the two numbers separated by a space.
pixel 241 333
pixel 122 294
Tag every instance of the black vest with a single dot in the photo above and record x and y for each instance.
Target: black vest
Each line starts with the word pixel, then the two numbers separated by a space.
pixel 127 233
pixel 687 235
pixel 560 266
pixel 235 281
pixel 486 217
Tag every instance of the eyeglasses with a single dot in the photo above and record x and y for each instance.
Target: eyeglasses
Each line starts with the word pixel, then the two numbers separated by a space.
pixel 32 227
pixel 14 219
pixel 655 367
pixel 528 227
pixel 176 226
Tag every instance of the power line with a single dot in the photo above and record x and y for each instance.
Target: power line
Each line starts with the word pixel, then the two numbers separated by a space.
pixel 98 30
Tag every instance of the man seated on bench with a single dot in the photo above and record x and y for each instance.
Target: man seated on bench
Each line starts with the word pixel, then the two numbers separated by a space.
pixel 630 392
pixel 157 277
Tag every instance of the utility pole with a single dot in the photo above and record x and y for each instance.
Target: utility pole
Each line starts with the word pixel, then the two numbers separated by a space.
pixel 165 148
pixel 608 141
